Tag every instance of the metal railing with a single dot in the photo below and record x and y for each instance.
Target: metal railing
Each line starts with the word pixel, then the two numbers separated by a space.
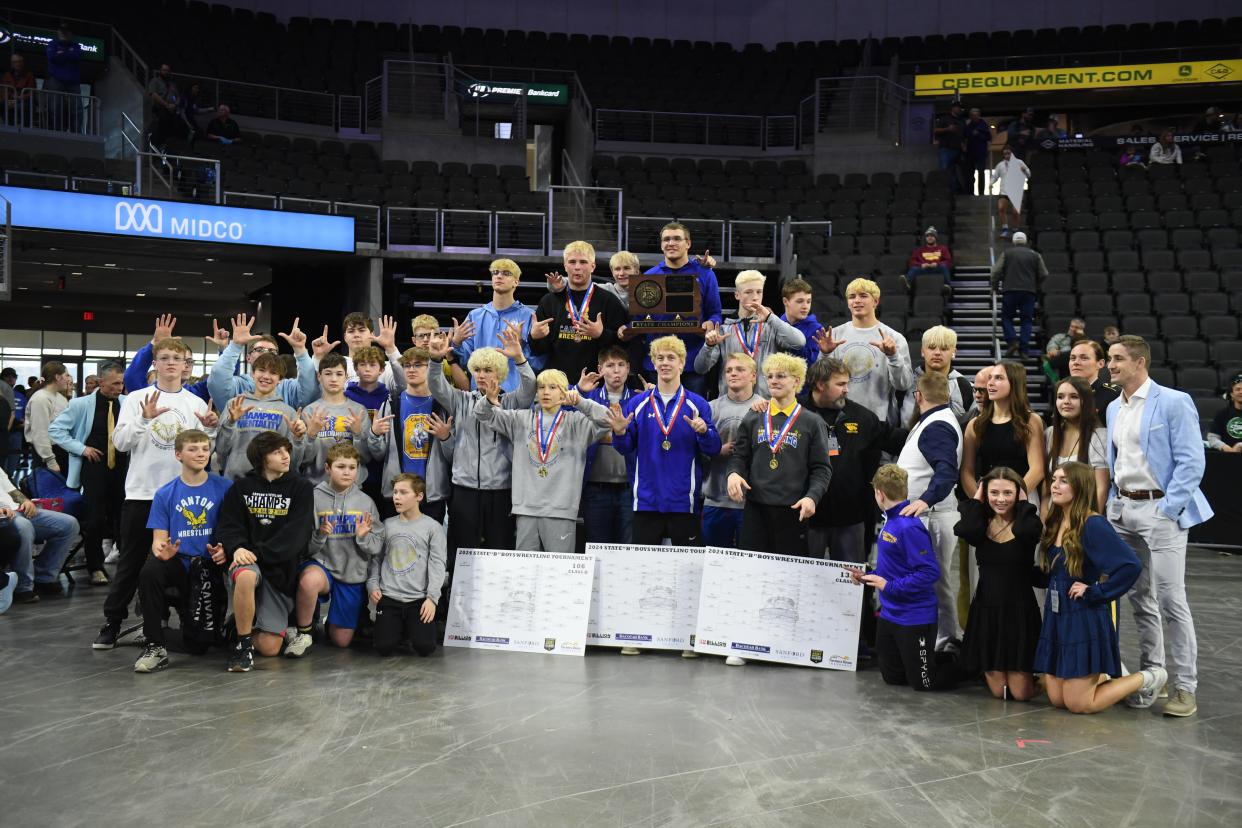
pixel 294 204
pixel 262 101
pixel 176 177
pixel 412 228
pixel 101 186
pixel 44 110
pixel 859 105
pixel 349 113
pixel 36 180
pixel 6 253
pixel 258 201
pixel 757 241
pixel 642 233
pixel 685 128
pixel 466 231
pixel 373 105
pixel 590 214
pixel 366 222
pixel 519 233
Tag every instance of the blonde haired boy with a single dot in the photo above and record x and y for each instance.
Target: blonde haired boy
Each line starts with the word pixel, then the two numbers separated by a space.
pixel 758 332
pixel 938 349
pixel 572 328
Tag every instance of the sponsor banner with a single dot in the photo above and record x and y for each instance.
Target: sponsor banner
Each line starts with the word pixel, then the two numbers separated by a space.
pixel 1080 77
pixel 528 602
pixel 545 94
pixel 802 611
pixel 35 39
pixel 1114 141
pixel 177 220
pixel 645 596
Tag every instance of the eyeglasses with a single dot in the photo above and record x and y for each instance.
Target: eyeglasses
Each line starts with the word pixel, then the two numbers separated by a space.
pixel 979 391
pixel 264 351
pixel 502 272
pixel 170 359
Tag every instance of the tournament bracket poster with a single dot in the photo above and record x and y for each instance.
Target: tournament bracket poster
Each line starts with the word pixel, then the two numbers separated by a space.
pixel 645 596
pixel 802 611
pixel 529 602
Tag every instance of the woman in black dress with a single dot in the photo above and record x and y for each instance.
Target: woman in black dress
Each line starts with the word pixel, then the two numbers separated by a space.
pixel 1002 630
pixel 1006 433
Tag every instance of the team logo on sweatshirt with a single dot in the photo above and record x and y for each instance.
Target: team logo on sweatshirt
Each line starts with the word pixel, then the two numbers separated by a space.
pixel 165 428
pixel 860 358
pixel 342 523
pixel 401 557
pixel 888 536
pixel 261 420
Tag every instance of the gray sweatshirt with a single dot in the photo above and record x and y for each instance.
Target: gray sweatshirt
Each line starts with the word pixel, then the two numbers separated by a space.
pixel 335 430
pixel 481 457
pixel 266 414
pixel 411 565
pixel 727 414
pixel 957 405
pixel 874 377
pixel 773 337
pixel 341 553
pixel 552 488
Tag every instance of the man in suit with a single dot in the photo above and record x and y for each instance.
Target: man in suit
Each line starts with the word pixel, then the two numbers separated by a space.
pixel 1155 453
pixel 84 431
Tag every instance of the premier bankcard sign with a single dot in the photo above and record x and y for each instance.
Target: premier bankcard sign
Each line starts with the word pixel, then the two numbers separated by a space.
pixel 177 220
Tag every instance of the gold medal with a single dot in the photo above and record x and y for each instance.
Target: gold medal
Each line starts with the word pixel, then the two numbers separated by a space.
pixel 772 464
pixel 543 471
pixel 666 445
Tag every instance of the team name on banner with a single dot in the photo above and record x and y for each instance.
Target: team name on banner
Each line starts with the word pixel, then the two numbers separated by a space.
pixel 1080 77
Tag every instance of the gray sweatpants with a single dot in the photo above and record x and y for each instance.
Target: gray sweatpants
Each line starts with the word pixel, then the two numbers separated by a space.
pixel 545 534
pixel 1160 591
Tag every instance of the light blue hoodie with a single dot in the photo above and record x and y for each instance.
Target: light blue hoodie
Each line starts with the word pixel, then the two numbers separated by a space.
pixel 488 323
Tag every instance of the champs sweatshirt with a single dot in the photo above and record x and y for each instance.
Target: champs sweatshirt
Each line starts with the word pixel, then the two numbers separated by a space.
pixel 273 519
pixel 266 414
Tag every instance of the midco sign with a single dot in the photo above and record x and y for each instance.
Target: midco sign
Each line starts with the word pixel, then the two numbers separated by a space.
pixel 87 213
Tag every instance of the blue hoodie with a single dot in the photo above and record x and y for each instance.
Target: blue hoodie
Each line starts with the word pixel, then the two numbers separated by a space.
pixel 906 559
pixel 709 294
pixel 667 481
pixel 488 323
pixel 809 327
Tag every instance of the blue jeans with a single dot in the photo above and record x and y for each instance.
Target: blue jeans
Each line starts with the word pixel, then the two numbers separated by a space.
pixel 58 529
pixel 1021 302
pixel 14 459
pixel 939 270
pixel 607 511
pixel 721 526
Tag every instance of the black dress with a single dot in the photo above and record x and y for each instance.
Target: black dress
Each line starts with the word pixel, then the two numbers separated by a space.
pixel 1002 630
pixel 999 446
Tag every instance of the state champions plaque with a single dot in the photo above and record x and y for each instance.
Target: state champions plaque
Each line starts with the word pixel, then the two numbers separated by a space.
pixel 665 303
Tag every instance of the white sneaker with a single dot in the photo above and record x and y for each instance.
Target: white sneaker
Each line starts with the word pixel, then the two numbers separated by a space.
pixel 1153 679
pixel 689 654
pixel 111 553
pixel 630 651
pixel 297 646
pixel 735 661
pixel 154 657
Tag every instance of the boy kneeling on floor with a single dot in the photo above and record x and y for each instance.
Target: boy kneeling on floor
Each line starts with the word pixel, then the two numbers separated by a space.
pixel 265 523
pixel 348 534
pixel 406 577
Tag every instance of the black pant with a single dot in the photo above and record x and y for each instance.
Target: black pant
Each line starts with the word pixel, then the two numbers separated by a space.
pixel 478 519
pixel 774 529
pixel 435 510
pixel 395 620
pixel 907 656
pixel 103 493
pixel 651 528
pixel 135 549
pixel 154 580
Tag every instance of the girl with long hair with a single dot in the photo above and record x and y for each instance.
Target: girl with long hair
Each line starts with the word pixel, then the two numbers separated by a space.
pixel 1002 629
pixel 1077 434
pixel 1088 568
pixel 1006 432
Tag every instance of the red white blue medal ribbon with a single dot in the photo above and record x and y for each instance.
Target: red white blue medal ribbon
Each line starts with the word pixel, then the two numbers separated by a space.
pixel 577 314
pixel 751 348
pixel 665 428
pixel 545 440
pixel 775 445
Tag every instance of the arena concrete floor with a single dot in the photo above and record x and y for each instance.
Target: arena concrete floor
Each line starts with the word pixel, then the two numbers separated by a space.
pixel 468 737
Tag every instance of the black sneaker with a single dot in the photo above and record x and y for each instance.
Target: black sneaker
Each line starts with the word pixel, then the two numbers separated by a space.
pixel 108 633
pixel 27 597
pixel 49 588
pixel 242 658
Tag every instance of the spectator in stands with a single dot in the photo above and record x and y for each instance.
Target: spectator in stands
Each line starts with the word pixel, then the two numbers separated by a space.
pixel 64 74
pixel 1019 269
pixel 18 101
pixel 222 128
pixel 796 295
pixel 949 133
pixel 191 107
pixel 939 347
pixel 1234 125
pixel 1076 433
pixel 978 152
pixel 1225 433
pixel 1111 335
pixel 163 108
pixel 1059 345
pixel 1157 460
pixel 1020 137
pixel 931 258
pixel 1131 156
pixel 1086 361
pixel 979 387
pixel 877 355
pixel 1166 151
pixel 45 405
pixel 1006 433
pixel 1011 174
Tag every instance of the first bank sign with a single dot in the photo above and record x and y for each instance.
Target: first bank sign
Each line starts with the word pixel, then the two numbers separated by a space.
pixel 145 218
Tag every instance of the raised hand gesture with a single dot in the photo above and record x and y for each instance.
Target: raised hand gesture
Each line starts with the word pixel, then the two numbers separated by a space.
pixel 382 425
pixel 617 419
pixel 539 328
pixel 697 423
pixel 325 525
pixel 438 347
pixel 440 429
pixel 706 259
pixel 321 347
pixel 387 336
pixel 511 341
pixel 296 426
pixel 823 338
pixel 168 550
pixel 296 337
pixel 461 331
pixel 588 381
pixel 315 421
pixel 886 344
pixel 556 282
pixel 241 329
pixel 592 329
pixel 571 398
pixel 713 336
pixel 354 421
pixel 362 526
pixel 237 409
pixel 151 407
pixel 219 335
pixel 211 419
pixel 164 324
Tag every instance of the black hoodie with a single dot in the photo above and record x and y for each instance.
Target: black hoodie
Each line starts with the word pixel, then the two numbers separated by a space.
pixel 273 519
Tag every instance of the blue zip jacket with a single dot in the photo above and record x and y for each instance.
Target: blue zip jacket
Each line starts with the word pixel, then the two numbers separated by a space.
pixel 709 294
pixel 63 61
pixel 667 481
pixel 906 559
pixel 140 366
pixel 808 327
pixel 225 382
pixel 488 323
